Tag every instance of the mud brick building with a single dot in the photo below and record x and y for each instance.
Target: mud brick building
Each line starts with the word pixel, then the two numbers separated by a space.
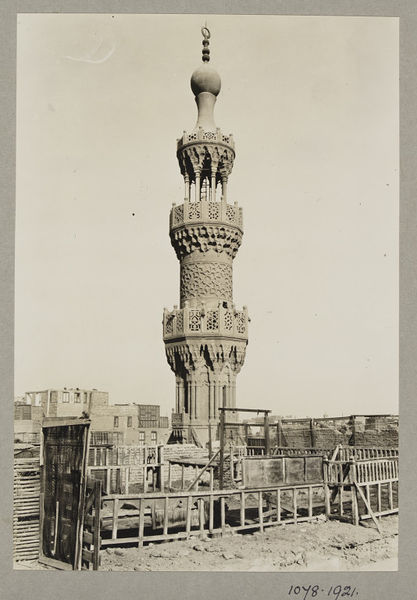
pixel 127 424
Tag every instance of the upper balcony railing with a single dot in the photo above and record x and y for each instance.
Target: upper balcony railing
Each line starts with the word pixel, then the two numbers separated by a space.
pixel 199 321
pixel 205 212
pixel 205 136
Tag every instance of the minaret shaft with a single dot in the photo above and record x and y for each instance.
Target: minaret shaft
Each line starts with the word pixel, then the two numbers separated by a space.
pixel 206 337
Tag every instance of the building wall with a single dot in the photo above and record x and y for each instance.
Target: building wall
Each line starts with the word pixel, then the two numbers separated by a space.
pixel 125 420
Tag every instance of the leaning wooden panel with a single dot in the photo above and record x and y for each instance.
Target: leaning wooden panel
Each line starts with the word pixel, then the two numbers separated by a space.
pixel 63 472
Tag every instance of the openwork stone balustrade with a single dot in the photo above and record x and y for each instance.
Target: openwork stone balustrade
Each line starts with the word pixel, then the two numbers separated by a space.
pixel 205 136
pixel 196 321
pixel 205 211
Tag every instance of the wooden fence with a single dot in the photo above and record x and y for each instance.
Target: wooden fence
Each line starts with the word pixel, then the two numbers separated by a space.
pixel 26 491
pixel 215 511
pixel 362 453
pixel 370 486
pixel 114 478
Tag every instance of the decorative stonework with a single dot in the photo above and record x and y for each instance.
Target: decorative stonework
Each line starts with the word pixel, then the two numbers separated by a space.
pixel 221 238
pixel 213 321
pixel 206 211
pixel 206 338
pixel 199 280
pixel 218 356
pixel 196 154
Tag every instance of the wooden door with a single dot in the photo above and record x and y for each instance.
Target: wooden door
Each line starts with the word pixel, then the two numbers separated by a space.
pixel 63 477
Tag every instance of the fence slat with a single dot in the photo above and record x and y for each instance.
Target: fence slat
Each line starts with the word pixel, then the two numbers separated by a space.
pixel 260 511
pixel 115 518
pixel 222 514
pixel 141 521
pixel 188 516
pixel 211 514
pixel 166 515
pixel 310 501
pixel 201 513
pixel 294 499
pixel 278 505
pixel 242 508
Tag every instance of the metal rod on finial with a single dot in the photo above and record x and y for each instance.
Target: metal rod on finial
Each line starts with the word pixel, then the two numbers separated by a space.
pixel 206 35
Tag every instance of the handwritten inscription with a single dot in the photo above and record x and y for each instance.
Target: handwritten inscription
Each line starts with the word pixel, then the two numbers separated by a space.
pixel 304 592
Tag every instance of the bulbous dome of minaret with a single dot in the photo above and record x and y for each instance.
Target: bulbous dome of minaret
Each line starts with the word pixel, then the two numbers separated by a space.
pixel 205 79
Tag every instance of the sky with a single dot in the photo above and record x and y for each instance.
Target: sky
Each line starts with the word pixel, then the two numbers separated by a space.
pixel 313 105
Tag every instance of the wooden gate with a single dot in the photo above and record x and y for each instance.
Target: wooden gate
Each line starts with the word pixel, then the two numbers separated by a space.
pixel 92 522
pixel 64 444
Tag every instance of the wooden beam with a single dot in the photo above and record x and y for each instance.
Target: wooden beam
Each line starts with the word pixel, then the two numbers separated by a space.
pixel 190 487
pixel 368 506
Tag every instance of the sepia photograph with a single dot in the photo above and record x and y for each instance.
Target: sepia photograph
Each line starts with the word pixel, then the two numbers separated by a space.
pixel 207 294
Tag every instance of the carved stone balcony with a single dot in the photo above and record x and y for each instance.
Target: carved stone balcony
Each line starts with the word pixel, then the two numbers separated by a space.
pixel 200 135
pixel 196 322
pixel 206 212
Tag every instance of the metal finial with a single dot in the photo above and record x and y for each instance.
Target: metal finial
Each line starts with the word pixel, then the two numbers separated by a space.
pixel 206 35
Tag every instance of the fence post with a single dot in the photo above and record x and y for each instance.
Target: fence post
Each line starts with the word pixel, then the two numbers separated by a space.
pixel 221 464
pixel 312 436
pixel 353 480
pixel 266 433
pixel 279 433
pixel 353 430
pixel 326 489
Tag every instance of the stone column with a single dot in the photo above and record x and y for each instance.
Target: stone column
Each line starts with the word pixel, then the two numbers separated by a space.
pixel 224 188
pixel 197 186
pixel 186 188
pixel 211 401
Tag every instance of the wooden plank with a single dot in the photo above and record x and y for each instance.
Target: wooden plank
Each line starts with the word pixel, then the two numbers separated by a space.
pixel 260 511
pixel 242 508
pixel 294 499
pixel 141 522
pixel 97 523
pixel 115 518
pixel 211 514
pixel 190 487
pixel 278 506
pixel 379 499
pixel 222 433
pixel 188 516
pixel 368 506
pixel 201 513
pixel 310 502
pixel 390 495
pixel 145 479
pixel 222 514
pixel 383 513
pixel 341 487
pixel 368 494
pixel 166 516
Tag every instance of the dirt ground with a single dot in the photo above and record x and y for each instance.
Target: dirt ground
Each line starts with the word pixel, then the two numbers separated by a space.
pixel 317 546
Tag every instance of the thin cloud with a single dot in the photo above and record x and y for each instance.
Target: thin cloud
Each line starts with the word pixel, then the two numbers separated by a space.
pixel 94 57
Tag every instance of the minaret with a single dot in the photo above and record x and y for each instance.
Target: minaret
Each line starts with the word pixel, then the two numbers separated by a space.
pixel 206 337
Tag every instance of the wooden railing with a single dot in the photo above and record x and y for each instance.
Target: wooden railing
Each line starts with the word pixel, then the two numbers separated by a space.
pixel 289 451
pixel 113 476
pixel 371 487
pixel 215 511
pixel 364 453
